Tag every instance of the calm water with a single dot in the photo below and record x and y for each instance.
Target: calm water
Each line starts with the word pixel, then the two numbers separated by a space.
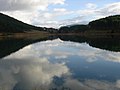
pixel 60 65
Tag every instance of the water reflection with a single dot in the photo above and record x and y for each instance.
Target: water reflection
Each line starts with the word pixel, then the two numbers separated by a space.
pixel 60 65
pixel 29 74
pixel 10 45
pixel 111 43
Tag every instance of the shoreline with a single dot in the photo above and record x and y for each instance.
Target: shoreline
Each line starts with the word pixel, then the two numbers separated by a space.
pixel 43 34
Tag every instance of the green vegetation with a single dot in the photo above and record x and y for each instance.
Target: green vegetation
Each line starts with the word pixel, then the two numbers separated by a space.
pixel 73 29
pixel 23 34
pixel 107 43
pixel 13 44
pixel 109 23
pixel 11 25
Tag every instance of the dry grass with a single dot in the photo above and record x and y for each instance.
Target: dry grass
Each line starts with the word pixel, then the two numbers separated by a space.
pixel 26 35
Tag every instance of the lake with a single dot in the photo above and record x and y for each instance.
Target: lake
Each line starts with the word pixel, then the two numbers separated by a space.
pixel 64 63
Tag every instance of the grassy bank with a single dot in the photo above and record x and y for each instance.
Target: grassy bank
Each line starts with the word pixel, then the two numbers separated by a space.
pixel 25 35
pixel 92 34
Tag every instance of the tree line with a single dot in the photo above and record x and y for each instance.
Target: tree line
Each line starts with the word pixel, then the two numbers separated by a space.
pixel 111 23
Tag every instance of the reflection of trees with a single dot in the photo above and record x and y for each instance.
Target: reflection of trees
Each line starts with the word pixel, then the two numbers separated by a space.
pixel 8 46
pixel 30 69
pixel 109 43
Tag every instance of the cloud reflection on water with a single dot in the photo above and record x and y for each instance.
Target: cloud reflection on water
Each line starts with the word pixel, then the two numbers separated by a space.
pixel 62 49
pixel 29 74
pixel 30 68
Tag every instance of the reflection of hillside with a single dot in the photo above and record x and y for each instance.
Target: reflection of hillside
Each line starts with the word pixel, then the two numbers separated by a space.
pixel 107 43
pixel 8 46
pixel 61 65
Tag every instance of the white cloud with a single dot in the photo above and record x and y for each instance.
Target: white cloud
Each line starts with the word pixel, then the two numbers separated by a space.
pixel 76 20
pixel 36 12
pixel 47 15
pixel 59 9
pixel 110 9
pixel 93 13
pixel 91 6
pixel 22 15
pixel 50 19
pixel 28 10
pixel 11 5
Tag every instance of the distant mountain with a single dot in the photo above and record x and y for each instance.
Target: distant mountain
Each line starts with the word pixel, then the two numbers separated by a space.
pixel 11 25
pixel 73 29
pixel 108 23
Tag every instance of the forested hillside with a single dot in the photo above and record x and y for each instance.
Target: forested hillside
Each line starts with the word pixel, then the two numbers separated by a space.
pixel 9 24
pixel 73 29
pixel 108 23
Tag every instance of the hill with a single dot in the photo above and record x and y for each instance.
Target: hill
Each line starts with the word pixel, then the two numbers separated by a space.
pixel 11 25
pixel 73 29
pixel 109 23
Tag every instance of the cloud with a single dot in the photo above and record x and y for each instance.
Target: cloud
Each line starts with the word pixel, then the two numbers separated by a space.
pixel 50 19
pixel 28 11
pixel 92 12
pixel 89 13
pixel 110 9
pixel 72 21
pixel 11 5
pixel 91 6
pixel 59 9
pixel 37 12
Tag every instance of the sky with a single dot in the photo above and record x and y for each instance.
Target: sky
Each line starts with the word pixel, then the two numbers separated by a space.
pixel 56 13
